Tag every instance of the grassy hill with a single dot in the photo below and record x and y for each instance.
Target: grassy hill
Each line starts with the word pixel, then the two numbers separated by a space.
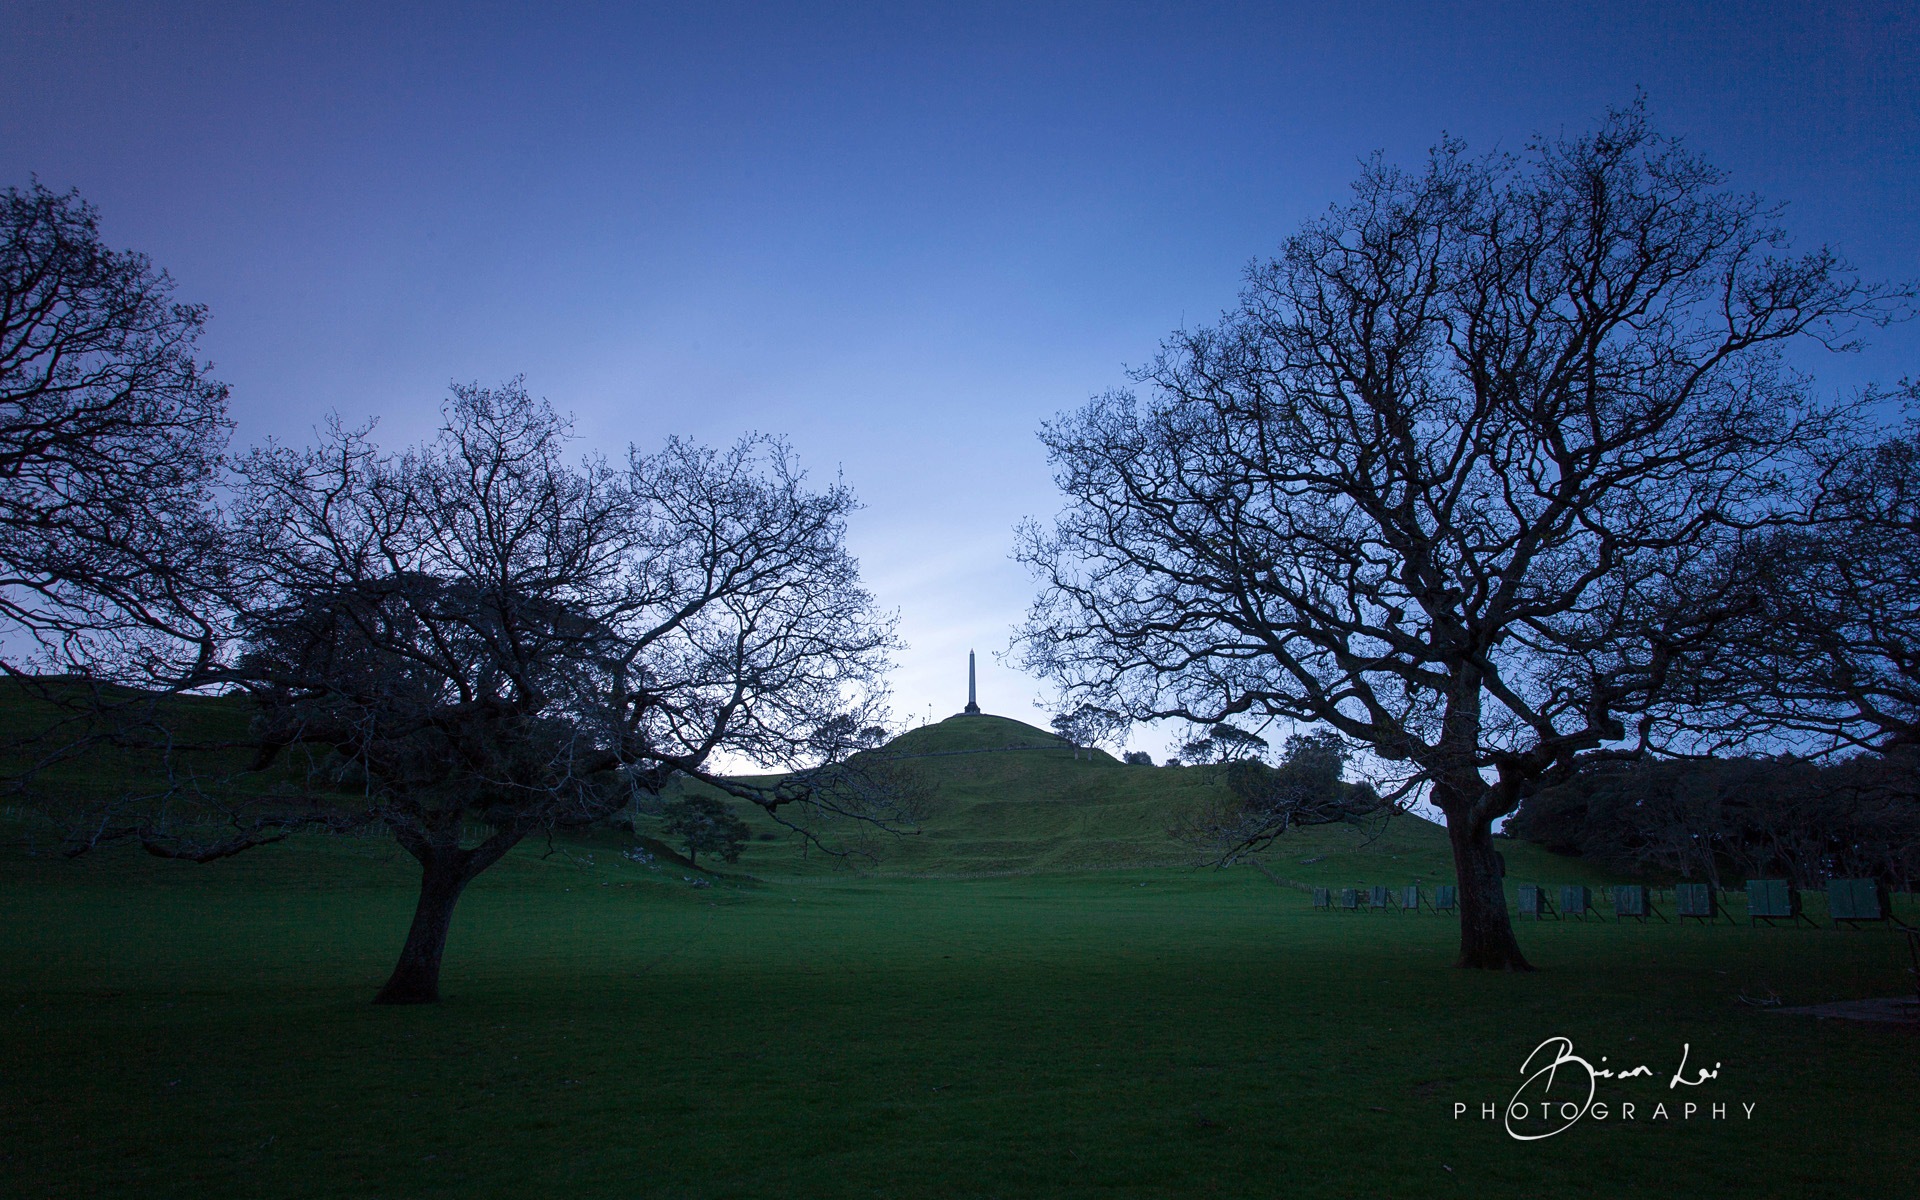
pixel 1011 799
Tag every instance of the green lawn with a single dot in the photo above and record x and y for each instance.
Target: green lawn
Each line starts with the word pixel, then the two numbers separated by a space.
pixel 610 1030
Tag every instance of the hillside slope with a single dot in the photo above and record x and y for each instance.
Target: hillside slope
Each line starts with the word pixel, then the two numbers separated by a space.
pixel 1008 798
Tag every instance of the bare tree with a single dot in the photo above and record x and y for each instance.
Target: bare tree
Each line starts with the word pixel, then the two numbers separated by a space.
pixel 1830 653
pixel 473 641
pixel 110 432
pixel 1434 481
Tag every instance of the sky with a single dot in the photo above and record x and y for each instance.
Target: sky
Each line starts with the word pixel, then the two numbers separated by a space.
pixel 901 236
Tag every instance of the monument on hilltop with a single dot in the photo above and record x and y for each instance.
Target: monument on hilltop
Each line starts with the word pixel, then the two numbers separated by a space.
pixel 973 705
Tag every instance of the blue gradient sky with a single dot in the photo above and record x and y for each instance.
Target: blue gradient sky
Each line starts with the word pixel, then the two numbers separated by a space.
pixel 900 235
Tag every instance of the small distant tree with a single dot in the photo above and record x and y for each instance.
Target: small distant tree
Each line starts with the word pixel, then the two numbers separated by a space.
pixel 1263 802
pixel 704 824
pixel 1138 758
pixel 1089 725
pixel 1224 744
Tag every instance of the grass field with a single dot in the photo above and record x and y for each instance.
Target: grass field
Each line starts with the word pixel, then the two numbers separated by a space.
pixel 1023 1001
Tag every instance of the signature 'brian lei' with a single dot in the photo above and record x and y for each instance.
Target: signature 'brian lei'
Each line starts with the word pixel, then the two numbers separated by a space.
pixel 1542 1070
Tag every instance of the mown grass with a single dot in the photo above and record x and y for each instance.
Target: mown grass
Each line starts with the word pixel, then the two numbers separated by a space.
pixel 609 1030
pixel 1027 999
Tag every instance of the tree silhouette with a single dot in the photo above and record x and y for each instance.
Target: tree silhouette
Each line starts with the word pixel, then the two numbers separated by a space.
pixel 475 639
pixel 1437 480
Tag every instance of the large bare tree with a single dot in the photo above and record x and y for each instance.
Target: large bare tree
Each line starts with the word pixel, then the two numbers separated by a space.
pixel 1436 480
pixel 110 432
pixel 478 639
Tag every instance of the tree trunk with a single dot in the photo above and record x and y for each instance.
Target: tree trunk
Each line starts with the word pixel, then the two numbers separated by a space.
pixel 444 873
pixel 1486 931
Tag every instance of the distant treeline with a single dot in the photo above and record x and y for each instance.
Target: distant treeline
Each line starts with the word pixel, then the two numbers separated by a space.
pixel 1726 820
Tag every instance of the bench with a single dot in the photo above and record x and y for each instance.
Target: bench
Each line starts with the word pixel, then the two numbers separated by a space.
pixel 1856 900
pixel 1630 900
pixel 1576 900
pixel 1773 900
pixel 1696 900
pixel 1534 903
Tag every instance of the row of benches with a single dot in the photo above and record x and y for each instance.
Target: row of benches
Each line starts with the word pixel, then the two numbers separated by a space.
pixel 1849 901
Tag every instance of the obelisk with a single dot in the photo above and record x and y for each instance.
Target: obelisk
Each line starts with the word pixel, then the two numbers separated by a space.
pixel 973 706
